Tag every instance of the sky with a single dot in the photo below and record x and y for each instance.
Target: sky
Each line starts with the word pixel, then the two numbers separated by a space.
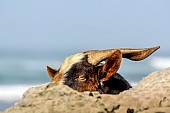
pixel 79 25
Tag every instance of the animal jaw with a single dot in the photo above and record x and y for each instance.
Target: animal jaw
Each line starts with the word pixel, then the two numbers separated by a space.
pixel 83 71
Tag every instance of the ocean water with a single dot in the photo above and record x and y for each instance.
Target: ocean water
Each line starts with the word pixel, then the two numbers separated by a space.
pixel 18 73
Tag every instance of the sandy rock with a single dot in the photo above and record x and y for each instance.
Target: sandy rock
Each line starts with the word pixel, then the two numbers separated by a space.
pixel 151 95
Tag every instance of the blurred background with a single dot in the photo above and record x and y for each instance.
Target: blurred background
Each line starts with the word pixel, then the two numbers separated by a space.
pixel 36 33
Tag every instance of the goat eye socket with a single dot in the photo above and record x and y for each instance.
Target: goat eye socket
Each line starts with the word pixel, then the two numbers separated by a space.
pixel 82 78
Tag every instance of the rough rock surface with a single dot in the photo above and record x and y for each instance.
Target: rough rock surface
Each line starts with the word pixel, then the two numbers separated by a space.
pixel 151 95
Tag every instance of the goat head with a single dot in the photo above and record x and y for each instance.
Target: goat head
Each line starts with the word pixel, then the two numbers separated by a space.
pixel 85 72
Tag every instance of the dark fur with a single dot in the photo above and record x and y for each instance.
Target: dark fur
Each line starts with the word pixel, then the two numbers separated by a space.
pixel 81 68
pixel 114 85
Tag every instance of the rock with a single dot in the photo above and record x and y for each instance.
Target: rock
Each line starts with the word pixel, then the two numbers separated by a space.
pixel 151 95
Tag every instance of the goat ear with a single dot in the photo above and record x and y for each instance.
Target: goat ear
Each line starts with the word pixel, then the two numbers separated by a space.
pixel 51 72
pixel 112 65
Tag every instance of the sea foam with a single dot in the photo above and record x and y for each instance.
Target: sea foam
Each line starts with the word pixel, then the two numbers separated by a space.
pixel 10 93
pixel 160 62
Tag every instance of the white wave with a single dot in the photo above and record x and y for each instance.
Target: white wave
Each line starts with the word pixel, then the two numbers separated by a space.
pixel 10 93
pixel 40 64
pixel 27 64
pixel 160 62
